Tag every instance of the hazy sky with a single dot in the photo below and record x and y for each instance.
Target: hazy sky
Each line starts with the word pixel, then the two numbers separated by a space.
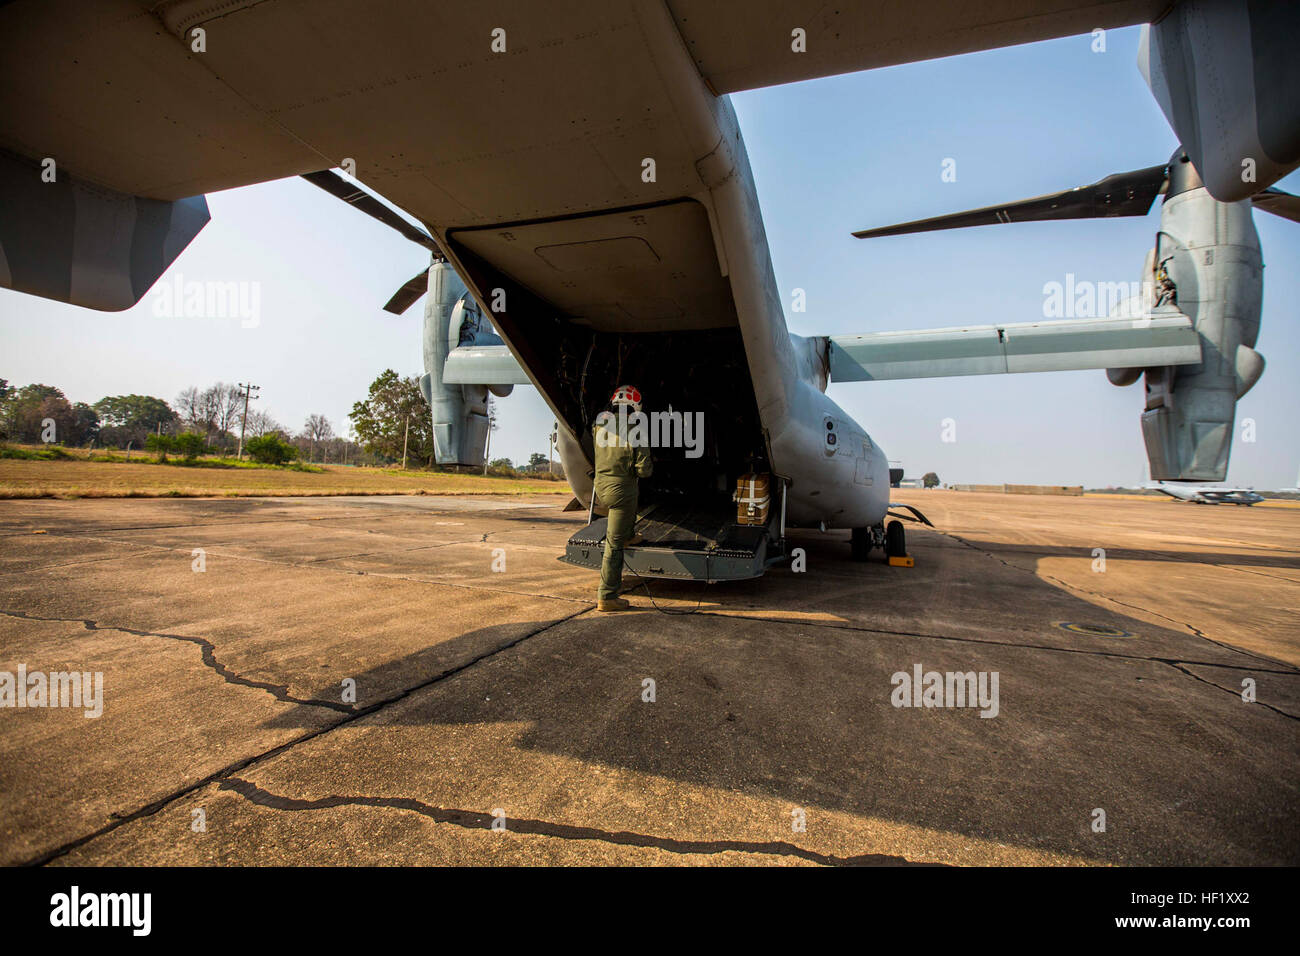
pixel 829 156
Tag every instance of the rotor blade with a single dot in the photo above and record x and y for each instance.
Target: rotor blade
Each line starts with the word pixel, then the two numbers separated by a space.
pixel 355 196
pixel 1278 203
pixel 1121 194
pixel 409 293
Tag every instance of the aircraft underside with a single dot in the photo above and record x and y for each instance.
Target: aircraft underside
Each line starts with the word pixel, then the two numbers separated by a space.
pixel 611 228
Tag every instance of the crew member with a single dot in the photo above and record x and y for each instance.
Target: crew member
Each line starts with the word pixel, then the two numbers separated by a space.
pixel 618 466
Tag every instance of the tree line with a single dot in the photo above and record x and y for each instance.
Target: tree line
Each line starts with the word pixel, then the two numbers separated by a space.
pixel 391 424
pixel 42 414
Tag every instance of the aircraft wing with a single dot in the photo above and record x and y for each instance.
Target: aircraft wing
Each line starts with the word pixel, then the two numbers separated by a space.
pixel 746 45
pixel 1165 338
pixel 166 101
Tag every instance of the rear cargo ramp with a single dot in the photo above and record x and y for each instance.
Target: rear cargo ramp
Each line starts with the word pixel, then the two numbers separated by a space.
pixel 683 543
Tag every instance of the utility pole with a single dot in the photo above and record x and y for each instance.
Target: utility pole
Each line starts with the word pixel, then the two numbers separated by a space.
pixel 248 390
pixel 488 447
pixel 550 458
pixel 406 436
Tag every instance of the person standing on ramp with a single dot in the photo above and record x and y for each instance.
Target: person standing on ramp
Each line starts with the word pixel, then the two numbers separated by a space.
pixel 618 466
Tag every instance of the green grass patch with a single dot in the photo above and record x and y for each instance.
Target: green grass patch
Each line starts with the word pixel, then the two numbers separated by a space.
pixel 48 453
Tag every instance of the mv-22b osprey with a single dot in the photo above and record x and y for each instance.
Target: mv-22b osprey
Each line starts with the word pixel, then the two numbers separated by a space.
pixel 593 219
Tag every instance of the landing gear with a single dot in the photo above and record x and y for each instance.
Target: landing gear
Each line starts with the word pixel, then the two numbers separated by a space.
pixel 861 543
pixel 890 537
pixel 864 540
pixel 895 541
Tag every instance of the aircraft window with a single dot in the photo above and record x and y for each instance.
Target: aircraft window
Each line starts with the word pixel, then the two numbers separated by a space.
pixel 830 439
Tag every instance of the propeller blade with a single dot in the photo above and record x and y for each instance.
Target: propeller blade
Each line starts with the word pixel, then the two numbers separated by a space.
pixel 409 293
pixel 1121 194
pixel 355 196
pixel 1278 203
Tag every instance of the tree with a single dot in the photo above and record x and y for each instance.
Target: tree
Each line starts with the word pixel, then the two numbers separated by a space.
pixel 537 461
pixel 129 418
pixel 261 423
pixel 380 421
pixel 6 395
pixel 318 428
pixel 189 406
pixel 930 479
pixel 316 434
pixel 227 402
pixel 270 449
pixel 190 444
pixel 23 413
pixel 85 425
pixel 26 412
pixel 159 444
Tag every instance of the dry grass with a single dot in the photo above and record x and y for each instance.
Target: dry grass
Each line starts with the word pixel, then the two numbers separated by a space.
pixel 142 479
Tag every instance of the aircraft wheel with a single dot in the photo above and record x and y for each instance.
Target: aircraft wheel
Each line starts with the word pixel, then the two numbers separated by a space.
pixel 860 544
pixel 895 540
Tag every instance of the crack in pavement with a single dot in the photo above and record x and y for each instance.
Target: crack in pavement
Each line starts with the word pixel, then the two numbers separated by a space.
pixel 863 629
pixel 209 653
pixel 365 554
pixel 1175 663
pixel 1262 574
pixel 149 809
pixel 68 564
pixel 477 820
pixel 1234 693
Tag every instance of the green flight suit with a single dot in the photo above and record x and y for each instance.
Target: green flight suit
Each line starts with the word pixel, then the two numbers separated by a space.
pixel 618 466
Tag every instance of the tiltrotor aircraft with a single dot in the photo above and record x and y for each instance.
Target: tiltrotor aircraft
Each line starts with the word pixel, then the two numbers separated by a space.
pixel 1212 495
pixel 593 220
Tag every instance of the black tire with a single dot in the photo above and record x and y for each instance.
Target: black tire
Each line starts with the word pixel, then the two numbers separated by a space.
pixel 895 540
pixel 860 544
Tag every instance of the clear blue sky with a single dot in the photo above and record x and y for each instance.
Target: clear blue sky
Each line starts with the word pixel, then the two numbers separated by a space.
pixel 830 156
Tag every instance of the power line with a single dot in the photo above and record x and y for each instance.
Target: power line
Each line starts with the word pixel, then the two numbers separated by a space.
pixel 243 425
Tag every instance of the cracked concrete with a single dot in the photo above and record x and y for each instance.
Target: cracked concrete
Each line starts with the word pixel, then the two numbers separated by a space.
pixel 482 693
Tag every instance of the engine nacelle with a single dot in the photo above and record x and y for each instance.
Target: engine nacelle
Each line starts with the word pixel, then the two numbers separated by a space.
pixel 1221 72
pixel 1210 253
pixel 459 412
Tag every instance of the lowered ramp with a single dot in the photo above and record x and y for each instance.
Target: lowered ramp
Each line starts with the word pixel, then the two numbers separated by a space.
pixel 685 543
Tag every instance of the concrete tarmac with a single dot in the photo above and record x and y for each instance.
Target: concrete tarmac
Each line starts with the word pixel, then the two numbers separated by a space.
pixel 498 719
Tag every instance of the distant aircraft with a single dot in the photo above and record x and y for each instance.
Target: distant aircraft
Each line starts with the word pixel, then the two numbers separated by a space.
pixel 593 220
pixel 1209 495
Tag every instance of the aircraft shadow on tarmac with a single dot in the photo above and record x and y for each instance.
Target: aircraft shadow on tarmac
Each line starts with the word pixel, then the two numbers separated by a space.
pixel 1186 772
pixel 1280 559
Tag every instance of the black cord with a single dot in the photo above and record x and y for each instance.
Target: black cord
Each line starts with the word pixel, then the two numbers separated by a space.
pixel 646 584
pixel 668 610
